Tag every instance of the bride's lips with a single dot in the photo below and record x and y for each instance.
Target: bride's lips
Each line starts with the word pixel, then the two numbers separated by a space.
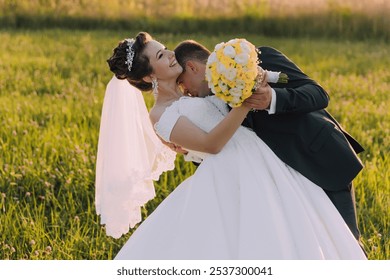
pixel 173 63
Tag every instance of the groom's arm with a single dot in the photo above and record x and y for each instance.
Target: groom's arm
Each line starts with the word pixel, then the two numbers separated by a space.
pixel 301 94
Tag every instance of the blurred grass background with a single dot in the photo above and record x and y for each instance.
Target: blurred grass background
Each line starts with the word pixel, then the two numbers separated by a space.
pixel 331 18
pixel 52 80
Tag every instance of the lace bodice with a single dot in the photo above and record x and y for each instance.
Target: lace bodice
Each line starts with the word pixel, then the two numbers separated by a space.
pixel 205 113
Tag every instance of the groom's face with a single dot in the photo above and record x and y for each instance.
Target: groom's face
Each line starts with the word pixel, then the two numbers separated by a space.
pixel 192 80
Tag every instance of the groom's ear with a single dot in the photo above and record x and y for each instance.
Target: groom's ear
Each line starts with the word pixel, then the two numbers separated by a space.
pixel 191 66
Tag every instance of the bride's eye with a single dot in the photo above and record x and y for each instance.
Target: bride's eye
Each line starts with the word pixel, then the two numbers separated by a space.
pixel 162 53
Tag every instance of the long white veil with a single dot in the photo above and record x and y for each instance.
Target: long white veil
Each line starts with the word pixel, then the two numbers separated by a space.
pixel 130 156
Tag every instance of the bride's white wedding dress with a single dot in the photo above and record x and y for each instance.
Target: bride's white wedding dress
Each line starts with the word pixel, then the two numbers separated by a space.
pixel 242 203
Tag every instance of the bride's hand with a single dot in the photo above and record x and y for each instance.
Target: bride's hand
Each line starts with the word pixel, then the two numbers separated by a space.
pixel 261 98
pixel 178 149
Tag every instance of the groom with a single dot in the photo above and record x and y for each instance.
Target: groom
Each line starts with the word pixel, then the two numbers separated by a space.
pixel 291 119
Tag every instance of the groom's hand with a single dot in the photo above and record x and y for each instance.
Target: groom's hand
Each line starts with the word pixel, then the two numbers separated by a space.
pixel 261 98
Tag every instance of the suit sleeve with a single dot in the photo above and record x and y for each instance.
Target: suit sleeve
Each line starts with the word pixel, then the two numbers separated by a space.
pixel 301 94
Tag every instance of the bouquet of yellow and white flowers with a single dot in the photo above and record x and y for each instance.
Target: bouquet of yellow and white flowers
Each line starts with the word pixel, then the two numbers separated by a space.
pixel 232 71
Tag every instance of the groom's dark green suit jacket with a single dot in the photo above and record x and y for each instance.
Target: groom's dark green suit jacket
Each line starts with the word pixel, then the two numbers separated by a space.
pixel 301 132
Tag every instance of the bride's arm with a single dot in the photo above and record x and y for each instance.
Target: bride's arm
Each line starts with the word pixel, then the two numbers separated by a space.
pixel 188 135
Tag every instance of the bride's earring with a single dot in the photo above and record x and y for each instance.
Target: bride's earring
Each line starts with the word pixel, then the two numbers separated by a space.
pixel 154 86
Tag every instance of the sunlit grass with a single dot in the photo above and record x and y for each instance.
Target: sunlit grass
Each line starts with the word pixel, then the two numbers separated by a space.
pixel 199 8
pixel 321 18
pixel 51 93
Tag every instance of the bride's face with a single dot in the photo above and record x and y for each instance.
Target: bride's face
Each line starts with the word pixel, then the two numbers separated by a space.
pixel 163 61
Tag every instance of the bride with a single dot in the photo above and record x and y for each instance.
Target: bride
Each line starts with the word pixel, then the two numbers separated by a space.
pixel 242 202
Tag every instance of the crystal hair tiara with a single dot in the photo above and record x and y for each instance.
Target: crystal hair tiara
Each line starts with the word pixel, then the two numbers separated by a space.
pixel 130 53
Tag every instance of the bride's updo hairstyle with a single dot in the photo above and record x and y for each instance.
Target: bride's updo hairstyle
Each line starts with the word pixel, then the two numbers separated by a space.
pixel 140 66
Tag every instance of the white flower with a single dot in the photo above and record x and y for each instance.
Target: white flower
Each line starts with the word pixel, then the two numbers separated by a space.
pixel 235 92
pixel 240 84
pixel 218 46
pixel 212 58
pixel 232 41
pixel 208 75
pixel 245 47
pixel 230 74
pixel 236 100
pixel 222 86
pixel 221 69
pixel 211 86
pixel 229 51
pixel 242 58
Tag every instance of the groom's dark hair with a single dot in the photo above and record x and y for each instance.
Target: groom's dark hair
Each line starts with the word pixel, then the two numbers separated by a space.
pixel 191 50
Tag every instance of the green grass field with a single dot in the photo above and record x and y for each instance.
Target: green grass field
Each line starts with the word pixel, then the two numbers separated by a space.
pixel 52 85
